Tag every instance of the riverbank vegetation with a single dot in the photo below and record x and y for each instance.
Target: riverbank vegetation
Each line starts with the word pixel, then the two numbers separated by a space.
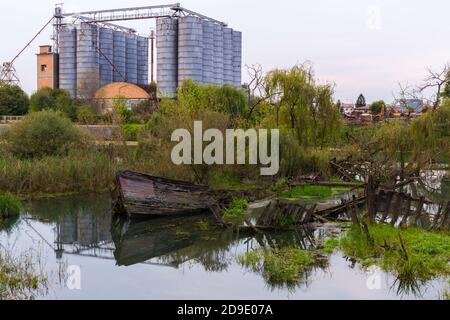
pixel 20 279
pixel 10 206
pixel 410 254
pixel 46 153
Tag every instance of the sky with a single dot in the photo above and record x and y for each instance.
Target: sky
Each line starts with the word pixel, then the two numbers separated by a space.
pixel 362 46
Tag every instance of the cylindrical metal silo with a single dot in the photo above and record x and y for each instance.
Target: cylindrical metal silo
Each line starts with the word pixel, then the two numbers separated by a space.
pixel 131 73
pixel 68 59
pixel 106 39
pixel 120 56
pixel 218 54
pixel 190 49
pixel 237 59
pixel 228 56
pixel 88 71
pixel 142 56
pixel 167 55
pixel 208 52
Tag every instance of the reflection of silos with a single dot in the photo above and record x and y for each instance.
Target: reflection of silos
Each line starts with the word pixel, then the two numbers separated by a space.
pixel 88 73
pixel 190 49
pixel 228 56
pixel 68 59
pixel 132 64
pixel 142 61
pixel 237 59
pixel 120 56
pixel 68 233
pixel 167 59
pixel 106 56
pixel 208 52
pixel 218 54
pixel 87 230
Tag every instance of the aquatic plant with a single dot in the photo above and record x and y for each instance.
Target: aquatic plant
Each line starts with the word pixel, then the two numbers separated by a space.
pixel 279 266
pixel 409 253
pixel 235 213
pixel 10 206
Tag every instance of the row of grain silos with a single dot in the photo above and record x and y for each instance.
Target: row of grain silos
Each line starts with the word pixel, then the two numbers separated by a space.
pixel 91 56
pixel 197 49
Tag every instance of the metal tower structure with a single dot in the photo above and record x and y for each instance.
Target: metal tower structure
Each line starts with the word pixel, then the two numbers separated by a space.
pixel 8 74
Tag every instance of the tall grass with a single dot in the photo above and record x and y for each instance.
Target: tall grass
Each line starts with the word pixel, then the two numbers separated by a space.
pixel 10 206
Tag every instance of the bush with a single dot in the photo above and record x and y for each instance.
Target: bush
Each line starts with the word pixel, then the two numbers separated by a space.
pixel 131 132
pixel 53 99
pixel 13 101
pixel 9 206
pixel 41 134
pixel 86 116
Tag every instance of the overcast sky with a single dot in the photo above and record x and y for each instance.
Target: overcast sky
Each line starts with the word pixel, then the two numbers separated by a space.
pixel 362 46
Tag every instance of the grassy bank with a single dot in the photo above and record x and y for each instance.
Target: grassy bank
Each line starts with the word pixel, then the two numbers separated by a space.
pixel 410 254
pixel 312 192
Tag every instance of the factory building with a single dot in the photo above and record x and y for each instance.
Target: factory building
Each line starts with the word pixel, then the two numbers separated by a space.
pixel 92 53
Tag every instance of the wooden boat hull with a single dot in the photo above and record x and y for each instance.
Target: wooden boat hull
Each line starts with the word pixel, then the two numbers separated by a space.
pixel 140 195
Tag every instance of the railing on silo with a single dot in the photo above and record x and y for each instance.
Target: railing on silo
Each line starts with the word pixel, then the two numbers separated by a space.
pixel 142 57
pixel 208 52
pixel 190 49
pixel 88 71
pixel 237 59
pixel 120 56
pixel 167 55
pixel 131 73
pixel 107 56
pixel 68 59
pixel 228 56
pixel 218 54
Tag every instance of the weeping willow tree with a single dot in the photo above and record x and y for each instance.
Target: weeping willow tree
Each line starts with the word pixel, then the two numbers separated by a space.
pixel 304 106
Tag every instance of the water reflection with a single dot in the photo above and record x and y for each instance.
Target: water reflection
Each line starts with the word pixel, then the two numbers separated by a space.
pixel 82 227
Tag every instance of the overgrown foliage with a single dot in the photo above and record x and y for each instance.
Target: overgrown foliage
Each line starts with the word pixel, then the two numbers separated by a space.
pixel 53 99
pixel 45 133
pixel 411 254
pixel 10 206
pixel 13 100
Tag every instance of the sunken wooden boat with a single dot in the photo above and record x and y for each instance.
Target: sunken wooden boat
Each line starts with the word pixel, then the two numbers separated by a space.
pixel 142 196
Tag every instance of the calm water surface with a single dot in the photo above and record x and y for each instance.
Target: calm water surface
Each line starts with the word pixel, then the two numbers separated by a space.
pixel 183 258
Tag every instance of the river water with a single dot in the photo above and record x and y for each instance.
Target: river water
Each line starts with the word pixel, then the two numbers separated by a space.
pixel 88 254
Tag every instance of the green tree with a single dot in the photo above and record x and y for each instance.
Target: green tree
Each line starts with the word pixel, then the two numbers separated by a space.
pixel 53 99
pixel 226 99
pixel 378 107
pixel 13 100
pixel 304 107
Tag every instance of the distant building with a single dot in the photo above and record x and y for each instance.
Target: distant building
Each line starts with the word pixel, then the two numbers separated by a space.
pixel 47 68
pixel 347 108
pixel 107 95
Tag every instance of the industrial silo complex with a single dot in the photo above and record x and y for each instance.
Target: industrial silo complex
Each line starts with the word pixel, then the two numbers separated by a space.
pixel 93 51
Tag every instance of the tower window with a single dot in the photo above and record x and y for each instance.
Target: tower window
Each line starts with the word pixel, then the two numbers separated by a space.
pixel 43 68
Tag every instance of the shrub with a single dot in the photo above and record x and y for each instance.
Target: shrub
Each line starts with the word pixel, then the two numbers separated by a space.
pixel 9 206
pixel 53 99
pixel 85 115
pixel 41 134
pixel 131 132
